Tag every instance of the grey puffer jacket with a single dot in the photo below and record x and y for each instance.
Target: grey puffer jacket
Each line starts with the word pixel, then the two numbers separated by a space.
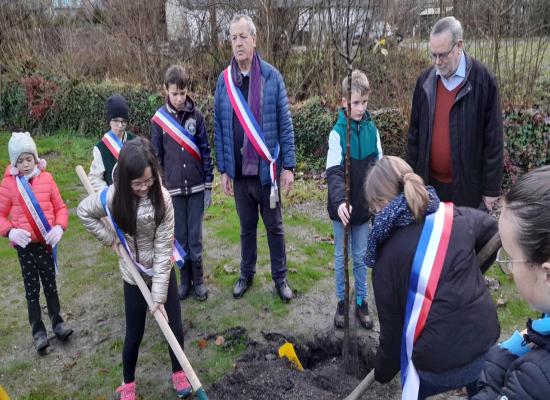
pixel 154 243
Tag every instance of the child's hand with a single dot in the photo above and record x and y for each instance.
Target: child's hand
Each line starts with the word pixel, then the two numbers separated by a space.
pixel 160 307
pixel 20 237
pixel 343 213
pixel 54 235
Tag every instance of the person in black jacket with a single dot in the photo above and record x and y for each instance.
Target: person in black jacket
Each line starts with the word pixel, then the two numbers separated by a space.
pixel 455 137
pixel 187 174
pixel 462 322
pixel 519 368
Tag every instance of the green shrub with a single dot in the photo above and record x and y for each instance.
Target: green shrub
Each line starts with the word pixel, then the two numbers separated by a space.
pixel 526 144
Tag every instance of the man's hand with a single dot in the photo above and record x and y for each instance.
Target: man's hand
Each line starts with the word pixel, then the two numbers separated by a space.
pixel 160 307
pixel 227 185
pixel 287 180
pixel 490 202
pixel 343 213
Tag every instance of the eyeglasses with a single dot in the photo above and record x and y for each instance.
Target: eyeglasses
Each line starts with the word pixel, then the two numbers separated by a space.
pixel 442 56
pixel 122 122
pixel 505 262
pixel 147 182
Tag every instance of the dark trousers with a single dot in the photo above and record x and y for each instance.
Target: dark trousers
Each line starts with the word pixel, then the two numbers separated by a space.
pixel 188 212
pixel 136 310
pixel 37 266
pixel 251 197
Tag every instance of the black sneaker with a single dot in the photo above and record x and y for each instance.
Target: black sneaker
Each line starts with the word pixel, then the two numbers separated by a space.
pixel 62 332
pixel 362 314
pixel 339 315
pixel 284 291
pixel 41 341
pixel 241 286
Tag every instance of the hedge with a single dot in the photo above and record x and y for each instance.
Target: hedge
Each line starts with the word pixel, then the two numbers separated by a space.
pixel 45 105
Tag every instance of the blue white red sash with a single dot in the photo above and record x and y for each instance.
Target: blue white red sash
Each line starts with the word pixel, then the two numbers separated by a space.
pixel 250 126
pixel 425 272
pixel 178 254
pixel 177 132
pixel 31 207
pixel 113 143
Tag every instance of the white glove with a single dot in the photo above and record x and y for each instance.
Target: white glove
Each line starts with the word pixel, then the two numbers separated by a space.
pixel 207 199
pixel 20 237
pixel 343 213
pixel 54 235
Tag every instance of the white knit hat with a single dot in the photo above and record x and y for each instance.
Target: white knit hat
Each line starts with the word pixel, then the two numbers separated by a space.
pixel 21 142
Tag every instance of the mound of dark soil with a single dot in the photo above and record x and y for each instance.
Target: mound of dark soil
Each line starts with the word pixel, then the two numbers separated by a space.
pixel 261 375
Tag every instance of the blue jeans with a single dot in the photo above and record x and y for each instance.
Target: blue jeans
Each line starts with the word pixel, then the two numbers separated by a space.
pixel 357 247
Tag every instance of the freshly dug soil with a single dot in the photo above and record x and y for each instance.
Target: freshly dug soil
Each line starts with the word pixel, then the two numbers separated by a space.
pixel 261 375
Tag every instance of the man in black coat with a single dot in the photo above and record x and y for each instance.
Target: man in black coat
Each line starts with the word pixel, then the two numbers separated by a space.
pixel 455 137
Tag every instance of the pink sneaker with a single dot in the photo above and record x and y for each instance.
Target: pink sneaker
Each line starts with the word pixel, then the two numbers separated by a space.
pixel 181 384
pixel 127 391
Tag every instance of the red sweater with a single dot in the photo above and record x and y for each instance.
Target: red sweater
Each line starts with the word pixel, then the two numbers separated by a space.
pixel 47 194
pixel 441 167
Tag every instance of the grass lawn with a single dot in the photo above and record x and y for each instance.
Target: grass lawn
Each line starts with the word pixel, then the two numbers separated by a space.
pixel 89 366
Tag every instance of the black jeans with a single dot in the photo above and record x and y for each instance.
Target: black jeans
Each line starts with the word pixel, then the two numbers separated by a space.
pixel 188 212
pixel 251 197
pixel 136 310
pixel 37 266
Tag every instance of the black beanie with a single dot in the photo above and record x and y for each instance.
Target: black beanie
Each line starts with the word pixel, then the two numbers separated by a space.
pixel 116 107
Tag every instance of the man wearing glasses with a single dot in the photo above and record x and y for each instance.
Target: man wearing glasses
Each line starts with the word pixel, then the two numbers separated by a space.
pixel 455 139
pixel 106 151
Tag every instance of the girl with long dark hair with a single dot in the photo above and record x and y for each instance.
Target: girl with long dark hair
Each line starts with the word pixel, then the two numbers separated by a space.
pixel 142 210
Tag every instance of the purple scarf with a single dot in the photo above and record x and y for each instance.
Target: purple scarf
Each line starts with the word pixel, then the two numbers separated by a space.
pixel 250 157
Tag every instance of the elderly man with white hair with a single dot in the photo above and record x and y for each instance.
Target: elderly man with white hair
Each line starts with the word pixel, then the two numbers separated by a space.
pixel 255 154
pixel 455 139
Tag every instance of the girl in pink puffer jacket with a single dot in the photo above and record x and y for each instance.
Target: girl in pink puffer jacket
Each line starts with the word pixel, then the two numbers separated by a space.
pixel 33 216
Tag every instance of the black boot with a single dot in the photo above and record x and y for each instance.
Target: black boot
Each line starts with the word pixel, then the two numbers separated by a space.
pixel 185 280
pixel 362 314
pixel 339 315
pixel 201 293
pixel 38 329
pixel 54 311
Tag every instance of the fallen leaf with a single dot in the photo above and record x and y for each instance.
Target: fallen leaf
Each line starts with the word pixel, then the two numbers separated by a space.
pixel 229 269
pixel 202 343
pixel 501 302
pixel 220 341
pixel 293 270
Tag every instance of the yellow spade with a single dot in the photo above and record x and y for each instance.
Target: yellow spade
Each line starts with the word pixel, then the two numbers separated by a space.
pixel 3 394
pixel 287 350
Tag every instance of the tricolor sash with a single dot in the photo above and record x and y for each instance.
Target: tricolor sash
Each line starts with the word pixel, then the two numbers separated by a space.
pixel 253 131
pixel 177 132
pixel 178 254
pixel 425 272
pixel 113 143
pixel 32 210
